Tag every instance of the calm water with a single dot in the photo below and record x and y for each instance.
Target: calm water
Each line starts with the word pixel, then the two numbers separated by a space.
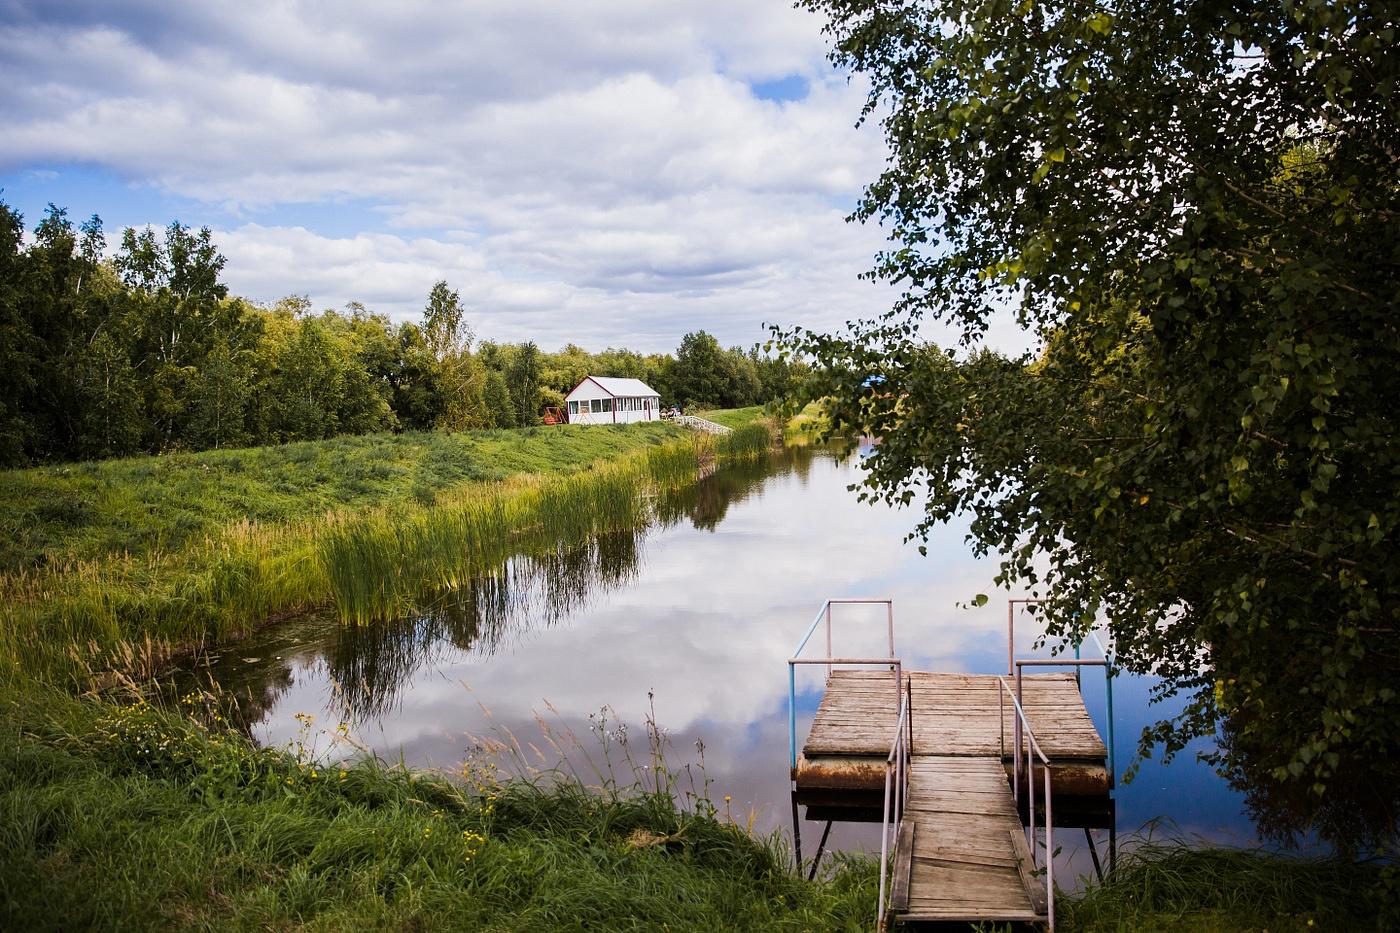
pixel 695 618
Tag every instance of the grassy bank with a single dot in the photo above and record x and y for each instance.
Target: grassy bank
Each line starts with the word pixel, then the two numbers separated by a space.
pixel 1173 886
pixel 117 814
pixel 143 505
pixel 370 550
pixel 127 817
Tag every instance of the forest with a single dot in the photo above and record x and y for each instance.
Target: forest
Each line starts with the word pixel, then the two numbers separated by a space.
pixel 108 353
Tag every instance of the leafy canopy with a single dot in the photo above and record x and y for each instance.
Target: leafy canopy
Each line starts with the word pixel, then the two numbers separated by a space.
pixel 1194 206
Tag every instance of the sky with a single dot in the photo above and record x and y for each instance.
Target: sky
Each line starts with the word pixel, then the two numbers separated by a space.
pixel 602 172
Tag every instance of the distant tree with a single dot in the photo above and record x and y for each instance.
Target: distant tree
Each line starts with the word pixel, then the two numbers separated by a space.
pixel 415 380
pixel 742 375
pixel 525 372
pixel 444 322
pixel 779 376
pixel 174 296
pixel 700 376
pixel 110 416
pixel 499 404
pixel 19 347
pixel 307 384
pixel 461 377
pixel 219 400
pixel 567 368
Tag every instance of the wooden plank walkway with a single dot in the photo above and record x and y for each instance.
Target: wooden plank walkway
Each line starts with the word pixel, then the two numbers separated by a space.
pixel 952 715
pixel 964 855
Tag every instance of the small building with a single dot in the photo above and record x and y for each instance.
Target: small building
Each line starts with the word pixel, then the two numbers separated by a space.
pixel 608 400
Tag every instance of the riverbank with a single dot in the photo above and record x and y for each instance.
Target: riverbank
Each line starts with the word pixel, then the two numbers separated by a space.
pixel 77 765
pixel 123 815
pixel 1176 886
pixel 131 817
pixel 117 813
pixel 126 564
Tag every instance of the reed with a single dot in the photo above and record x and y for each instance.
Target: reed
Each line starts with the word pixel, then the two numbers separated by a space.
pixel 86 621
pixel 749 442
pixel 381 564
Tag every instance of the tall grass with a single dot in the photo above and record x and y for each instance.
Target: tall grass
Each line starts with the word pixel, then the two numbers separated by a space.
pixel 748 442
pixel 380 564
pixel 62 513
pixel 1172 885
pixel 130 817
pixel 84 622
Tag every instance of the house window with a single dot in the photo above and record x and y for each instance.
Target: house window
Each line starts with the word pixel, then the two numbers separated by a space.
pixel 573 408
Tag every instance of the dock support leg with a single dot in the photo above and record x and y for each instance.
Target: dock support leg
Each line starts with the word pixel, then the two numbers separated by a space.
pixel 1113 844
pixel 796 834
pixel 1093 854
pixel 821 847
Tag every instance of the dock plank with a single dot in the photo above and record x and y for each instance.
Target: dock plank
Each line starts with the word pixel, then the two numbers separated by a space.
pixel 964 864
pixel 952 715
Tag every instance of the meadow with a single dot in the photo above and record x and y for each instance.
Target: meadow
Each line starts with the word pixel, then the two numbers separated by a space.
pixel 138 506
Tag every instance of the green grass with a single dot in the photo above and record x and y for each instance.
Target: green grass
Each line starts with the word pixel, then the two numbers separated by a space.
pixel 128 580
pixel 379 564
pixel 87 622
pixel 130 817
pixel 1174 886
pixel 750 441
pixel 144 505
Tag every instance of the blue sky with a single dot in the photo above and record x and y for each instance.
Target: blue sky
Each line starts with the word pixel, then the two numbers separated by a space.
pixel 602 172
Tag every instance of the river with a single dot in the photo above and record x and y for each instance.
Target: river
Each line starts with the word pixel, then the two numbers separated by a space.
pixel 691 621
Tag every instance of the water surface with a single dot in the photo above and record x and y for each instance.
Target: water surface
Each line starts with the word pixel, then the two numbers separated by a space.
pixel 690 620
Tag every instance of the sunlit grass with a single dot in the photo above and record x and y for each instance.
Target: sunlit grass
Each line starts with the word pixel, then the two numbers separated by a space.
pixel 144 505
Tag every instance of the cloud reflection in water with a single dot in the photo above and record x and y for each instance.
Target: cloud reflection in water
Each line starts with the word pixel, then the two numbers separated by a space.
pixel 703 608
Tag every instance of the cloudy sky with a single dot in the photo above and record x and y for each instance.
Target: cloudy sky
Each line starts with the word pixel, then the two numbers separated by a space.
pixel 607 172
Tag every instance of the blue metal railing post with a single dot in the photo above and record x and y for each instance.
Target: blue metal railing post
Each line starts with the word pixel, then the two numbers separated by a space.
pixel 792 716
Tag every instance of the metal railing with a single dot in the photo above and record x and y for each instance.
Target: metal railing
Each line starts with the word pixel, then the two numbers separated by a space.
pixel 1013 667
pixel 896 794
pixel 824 615
pixel 1033 751
pixel 1108 674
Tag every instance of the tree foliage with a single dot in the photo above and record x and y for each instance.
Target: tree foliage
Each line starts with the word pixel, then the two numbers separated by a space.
pixel 146 350
pixel 1194 205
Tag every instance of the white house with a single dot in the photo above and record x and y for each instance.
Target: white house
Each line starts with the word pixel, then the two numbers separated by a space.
pixel 606 400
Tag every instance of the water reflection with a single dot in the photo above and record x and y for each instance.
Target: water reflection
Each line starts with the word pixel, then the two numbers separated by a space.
pixel 703 608
pixel 373 663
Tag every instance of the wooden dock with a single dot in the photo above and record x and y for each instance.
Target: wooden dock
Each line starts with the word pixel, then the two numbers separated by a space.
pixel 961 852
pixel 964 855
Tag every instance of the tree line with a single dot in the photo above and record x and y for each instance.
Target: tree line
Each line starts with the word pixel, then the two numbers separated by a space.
pixel 146 350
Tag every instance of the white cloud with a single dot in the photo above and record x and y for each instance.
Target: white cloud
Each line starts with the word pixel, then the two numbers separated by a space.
pixel 595 171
